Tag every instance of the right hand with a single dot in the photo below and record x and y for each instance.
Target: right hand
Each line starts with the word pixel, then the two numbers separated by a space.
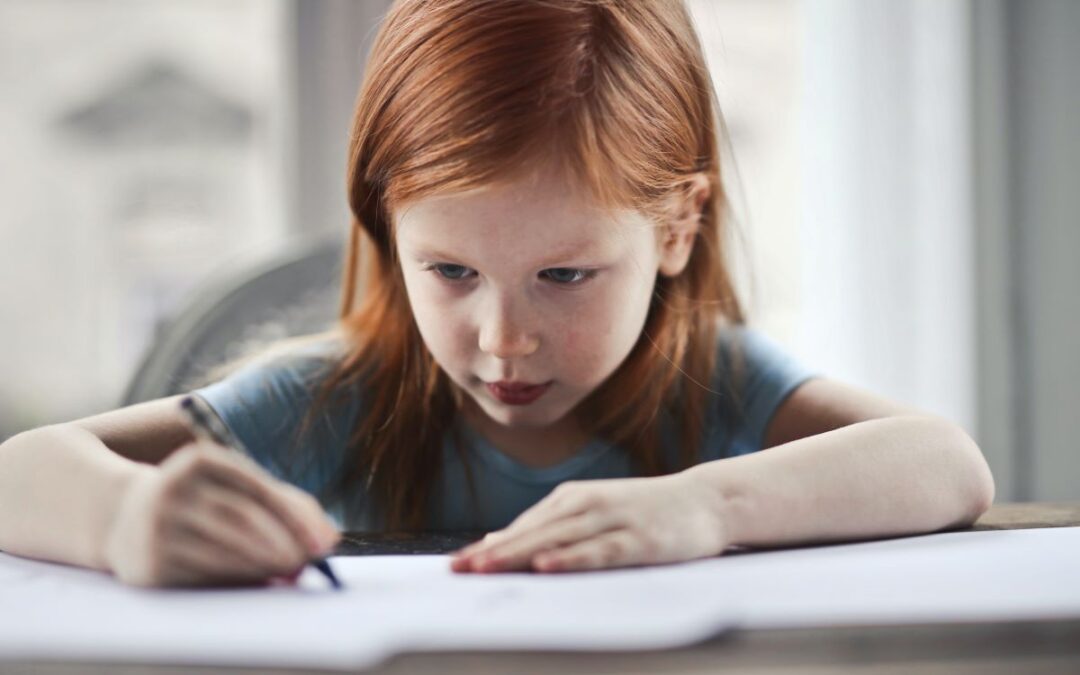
pixel 209 516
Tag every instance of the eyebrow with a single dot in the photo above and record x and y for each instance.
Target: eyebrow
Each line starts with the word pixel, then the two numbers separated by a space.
pixel 569 252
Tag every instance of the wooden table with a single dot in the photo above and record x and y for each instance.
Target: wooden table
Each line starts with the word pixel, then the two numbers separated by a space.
pixel 1014 647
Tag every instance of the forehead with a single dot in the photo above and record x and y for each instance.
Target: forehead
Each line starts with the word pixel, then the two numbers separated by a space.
pixel 526 219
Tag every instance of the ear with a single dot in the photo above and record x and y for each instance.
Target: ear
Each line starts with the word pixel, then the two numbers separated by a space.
pixel 678 234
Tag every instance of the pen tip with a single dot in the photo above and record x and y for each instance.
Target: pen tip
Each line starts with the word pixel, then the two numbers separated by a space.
pixel 324 567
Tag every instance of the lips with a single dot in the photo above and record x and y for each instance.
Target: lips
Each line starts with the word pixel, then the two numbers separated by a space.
pixel 517 393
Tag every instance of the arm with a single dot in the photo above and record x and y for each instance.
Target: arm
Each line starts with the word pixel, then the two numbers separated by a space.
pixel 131 492
pixel 840 463
pixel 881 477
pixel 60 485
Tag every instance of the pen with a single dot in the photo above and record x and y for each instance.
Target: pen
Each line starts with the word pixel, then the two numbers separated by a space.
pixel 205 424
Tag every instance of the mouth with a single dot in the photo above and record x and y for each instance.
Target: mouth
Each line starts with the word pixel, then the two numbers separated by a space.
pixel 517 393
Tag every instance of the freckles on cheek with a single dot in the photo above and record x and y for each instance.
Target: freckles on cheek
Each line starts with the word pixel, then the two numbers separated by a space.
pixel 441 323
pixel 449 337
pixel 583 346
pixel 434 318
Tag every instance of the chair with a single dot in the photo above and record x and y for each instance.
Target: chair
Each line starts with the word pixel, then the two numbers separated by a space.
pixel 292 292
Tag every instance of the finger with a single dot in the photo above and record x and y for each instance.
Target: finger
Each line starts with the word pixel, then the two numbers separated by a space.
pixel 617 548
pixel 499 537
pixel 482 544
pixel 236 522
pixel 302 514
pixel 465 558
pixel 179 574
pixel 282 548
pixel 243 474
pixel 517 552
pixel 462 559
pixel 553 507
pixel 204 561
pixel 326 531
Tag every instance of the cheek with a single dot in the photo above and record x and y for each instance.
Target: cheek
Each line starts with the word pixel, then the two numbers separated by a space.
pixel 603 332
pixel 440 326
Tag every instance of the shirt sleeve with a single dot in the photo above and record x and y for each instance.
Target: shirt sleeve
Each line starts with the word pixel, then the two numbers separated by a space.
pixel 264 404
pixel 750 395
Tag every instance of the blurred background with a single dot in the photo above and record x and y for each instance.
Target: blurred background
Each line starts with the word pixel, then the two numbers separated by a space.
pixel 906 177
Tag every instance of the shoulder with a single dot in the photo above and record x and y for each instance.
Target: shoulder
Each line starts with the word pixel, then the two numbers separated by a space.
pixel 825 404
pixel 751 360
pixel 279 381
pixel 753 376
pixel 781 399
pixel 266 402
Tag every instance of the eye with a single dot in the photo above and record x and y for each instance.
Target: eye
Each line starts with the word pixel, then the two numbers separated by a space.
pixel 569 276
pixel 448 271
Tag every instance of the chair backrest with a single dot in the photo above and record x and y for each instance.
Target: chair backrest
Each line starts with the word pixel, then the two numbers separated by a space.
pixel 293 292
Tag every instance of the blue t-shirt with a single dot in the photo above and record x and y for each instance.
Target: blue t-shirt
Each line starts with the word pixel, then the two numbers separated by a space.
pixel 264 402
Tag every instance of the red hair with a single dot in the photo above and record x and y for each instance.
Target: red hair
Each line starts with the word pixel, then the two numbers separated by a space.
pixel 458 95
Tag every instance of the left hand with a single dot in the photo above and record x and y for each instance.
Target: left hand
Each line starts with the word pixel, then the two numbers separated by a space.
pixel 595 524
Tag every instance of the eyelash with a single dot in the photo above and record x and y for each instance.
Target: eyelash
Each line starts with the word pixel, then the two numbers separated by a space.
pixel 584 274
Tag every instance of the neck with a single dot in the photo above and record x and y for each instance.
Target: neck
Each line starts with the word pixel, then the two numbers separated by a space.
pixel 536 447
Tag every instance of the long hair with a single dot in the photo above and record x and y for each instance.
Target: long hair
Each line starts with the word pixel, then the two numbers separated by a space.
pixel 458 95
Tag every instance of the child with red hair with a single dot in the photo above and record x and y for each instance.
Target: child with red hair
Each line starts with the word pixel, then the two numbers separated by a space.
pixel 547 345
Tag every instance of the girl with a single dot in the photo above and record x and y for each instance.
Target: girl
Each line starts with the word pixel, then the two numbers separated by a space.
pixel 548 345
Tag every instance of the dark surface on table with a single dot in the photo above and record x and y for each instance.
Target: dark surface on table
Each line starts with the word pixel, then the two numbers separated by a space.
pixel 403 543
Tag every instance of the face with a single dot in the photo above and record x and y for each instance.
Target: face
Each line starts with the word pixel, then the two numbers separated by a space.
pixel 526 285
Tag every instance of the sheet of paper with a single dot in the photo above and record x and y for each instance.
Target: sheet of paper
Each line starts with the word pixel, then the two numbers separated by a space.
pixel 391 604
pixel 949 577
pixel 414 603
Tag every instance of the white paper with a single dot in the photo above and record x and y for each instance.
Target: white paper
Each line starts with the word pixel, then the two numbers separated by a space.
pixel 390 604
pixel 996 575
pixel 414 603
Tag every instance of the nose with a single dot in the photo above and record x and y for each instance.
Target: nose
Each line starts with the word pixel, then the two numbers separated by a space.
pixel 505 336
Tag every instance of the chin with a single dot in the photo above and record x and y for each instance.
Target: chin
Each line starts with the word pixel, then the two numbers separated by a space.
pixel 519 417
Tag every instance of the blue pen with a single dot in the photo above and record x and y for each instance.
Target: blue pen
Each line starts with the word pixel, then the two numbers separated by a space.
pixel 206 424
